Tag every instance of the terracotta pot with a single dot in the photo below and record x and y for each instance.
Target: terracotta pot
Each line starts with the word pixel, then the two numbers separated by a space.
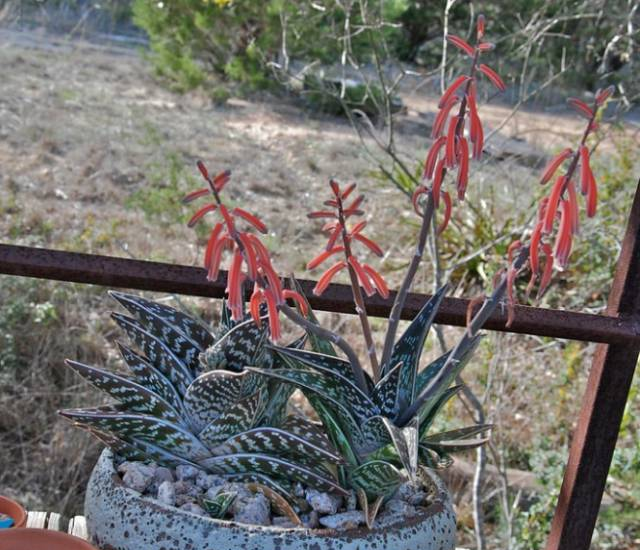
pixel 16 512
pixel 119 518
pixel 40 539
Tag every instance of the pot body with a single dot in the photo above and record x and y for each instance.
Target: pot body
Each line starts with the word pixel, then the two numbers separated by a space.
pixel 119 518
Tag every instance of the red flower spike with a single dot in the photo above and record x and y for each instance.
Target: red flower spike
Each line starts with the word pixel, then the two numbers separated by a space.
pixel 486 46
pixel 548 270
pixel 592 196
pixel 231 227
pixel 203 170
pixel 553 166
pixel 249 256
pixel 369 244
pixel 190 197
pixel 274 319
pixel 432 157
pixel 335 187
pixel 275 286
pixel 261 251
pixel 447 212
pixel 585 169
pixel 348 191
pixel 296 297
pixel 254 305
pixel 492 76
pixel 234 283
pixel 381 286
pixel 552 206
pixel 334 237
pixel 221 180
pixel 581 107
pixel 213 269
pixel 320 258
pixel 357 228
pixel 200 213
pixel 253 220
pixel 451 90
pixel 451 143
pixel 437 182
pixel 321 214
pixel 480 26
pixel 573 207
pixel 603 95
pixel 365 283
pixel 536 235
pixel 213 239
pixel 463 169
pixel 461 43
pixel 441 117
pixel 415 198
pixel 329 274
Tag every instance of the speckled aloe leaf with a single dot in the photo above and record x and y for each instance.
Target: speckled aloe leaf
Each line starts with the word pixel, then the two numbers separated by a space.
pixel 309 431
pixel 377 478
pixel 278 503
pixel 157 352
pixel 132 396
pixel 174 328
pixel 186 325
pixel 385 393
pixel 428 413
pixel 148 376
pixel 374 435
pixel 409 346
pixel 240 416
pixel 242 345
pixel 276 441
pixel 405 441
pixel 273 467
pixel 426 374
pixel 281 486
pixel 457 440
pixel 218 506
pixel 118 446
pixel 131 427
pixel 209 395
pixel 328 385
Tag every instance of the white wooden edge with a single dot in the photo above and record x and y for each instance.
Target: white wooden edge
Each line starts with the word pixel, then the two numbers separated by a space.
pixel 45 520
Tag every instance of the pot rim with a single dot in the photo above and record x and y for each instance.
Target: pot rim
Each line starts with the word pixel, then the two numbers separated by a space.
pixel 440 502
pixel 18 513
pixel 29 533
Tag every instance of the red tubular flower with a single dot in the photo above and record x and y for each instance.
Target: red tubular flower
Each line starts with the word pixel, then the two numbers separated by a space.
pixel 461 43
pixel 348 191
pixel 552 205
pixel 320 258
pixel 492 76
pixel 603 95
pixel 272 309
pixel 415 198
pixel 548 270
pixel 437 182
pixel 592 197
pixel 196 195
pixel 441 117
pixel 480 26
pixel 451 90
pixel 463 167
pixel 581 107
pixel 432 157
pixel 553 166
pixel 327 276
pixel 378 281
pixel 533 249
pixel 296 297
pixel 200 214
pixel 369 244
pixel 254 304
pixel 253 220
pixel 363 278
pixel 447 212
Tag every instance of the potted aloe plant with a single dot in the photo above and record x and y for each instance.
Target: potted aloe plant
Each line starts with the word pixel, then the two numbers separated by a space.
pixel 203 450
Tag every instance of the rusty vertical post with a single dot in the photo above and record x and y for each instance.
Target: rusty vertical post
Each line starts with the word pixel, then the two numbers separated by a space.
pixel 603 405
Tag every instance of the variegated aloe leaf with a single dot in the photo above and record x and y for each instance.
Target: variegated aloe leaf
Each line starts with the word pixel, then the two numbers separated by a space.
pixel 218 506
pixel 374 435
pixel 385 394
pixel 118 446
pixel 457 440
pixel 434 460
pixel 428 413
pixel 133 427
pixel 148 376
pixel 281 486
pixel 405 441
pixel 329 385
pixel 377 478
pixel 275 441
pixel 426 374
pixel 273 467
pixel 130 394
pixel 157 352
pixel 209 395
pixel 408 349
pixel 182 335
pixel 307 430
pixel 240 416
pixel 240 346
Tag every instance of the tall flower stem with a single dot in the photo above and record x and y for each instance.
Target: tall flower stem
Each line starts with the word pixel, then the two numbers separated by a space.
pixel 358 299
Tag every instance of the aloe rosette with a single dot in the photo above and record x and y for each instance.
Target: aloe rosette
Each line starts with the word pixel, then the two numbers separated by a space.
pixel 191 400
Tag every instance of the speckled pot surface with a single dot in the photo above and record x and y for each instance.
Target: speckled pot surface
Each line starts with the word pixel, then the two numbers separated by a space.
pixel 118 518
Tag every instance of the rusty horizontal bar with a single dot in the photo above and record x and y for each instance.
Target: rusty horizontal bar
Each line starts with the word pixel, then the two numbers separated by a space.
pixel 180 279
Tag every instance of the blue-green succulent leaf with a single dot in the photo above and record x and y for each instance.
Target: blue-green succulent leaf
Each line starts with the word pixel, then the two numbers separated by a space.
pixel 385 393
pixel 377 478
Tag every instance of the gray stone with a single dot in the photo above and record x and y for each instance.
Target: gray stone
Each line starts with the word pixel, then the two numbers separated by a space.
pixel 163 474
pixel 400 507
pixel 310 520
pixel 167 493
pixel 254 510
pixel 345 520
pixel 187 473
pixel 283 522
pixel 186 492
pixel 352 501
pixel 193 508
pixel 206 481
pixel 324 503
pixel 137 476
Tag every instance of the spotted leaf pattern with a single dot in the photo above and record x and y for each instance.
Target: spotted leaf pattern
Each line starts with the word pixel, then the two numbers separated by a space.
pixel 377 478
pixel 385 394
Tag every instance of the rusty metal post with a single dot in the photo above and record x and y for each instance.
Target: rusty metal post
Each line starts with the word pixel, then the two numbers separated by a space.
pixel 603 405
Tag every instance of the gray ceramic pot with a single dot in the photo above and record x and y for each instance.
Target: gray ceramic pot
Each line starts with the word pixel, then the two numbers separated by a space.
pixel 118 518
